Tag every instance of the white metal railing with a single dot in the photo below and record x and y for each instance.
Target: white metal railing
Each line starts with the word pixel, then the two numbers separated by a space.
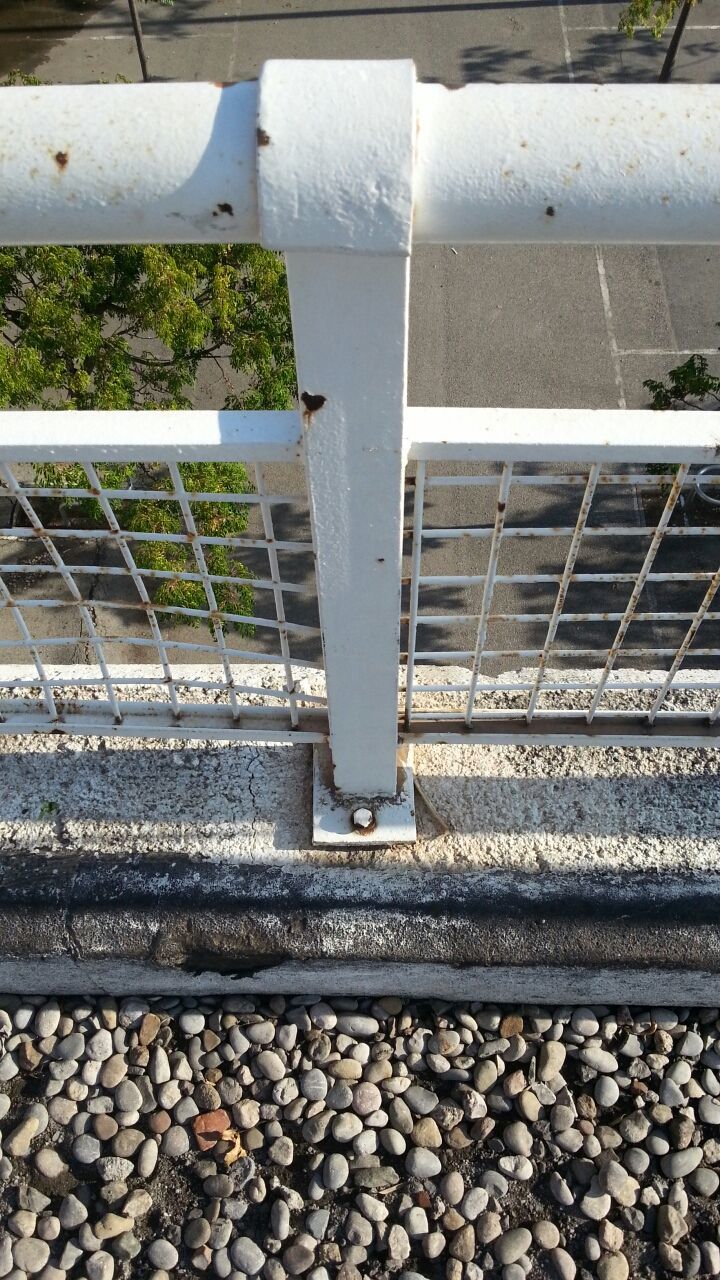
pixel 344 166
pixel 597 466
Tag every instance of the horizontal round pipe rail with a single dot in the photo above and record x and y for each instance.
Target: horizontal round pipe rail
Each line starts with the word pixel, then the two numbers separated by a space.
pixel 494 163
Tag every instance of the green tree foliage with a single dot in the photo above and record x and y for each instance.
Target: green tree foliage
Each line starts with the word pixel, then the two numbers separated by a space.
pixel 655 15
pixel 689 384
pixel 127 327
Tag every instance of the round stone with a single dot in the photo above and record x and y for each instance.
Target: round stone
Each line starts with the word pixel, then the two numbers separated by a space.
pixel 606 1091
pixel 599 1059
pixel 281 1151
pixel 545 1234
pixel 512 1245
pixel 421 1101
pixel 313 1085
pixel 346 1126
pixel 191 1023
pixel 678 1164
pixel 100 1265
pixel 705 1182
pixel 105 1127
pixel 196 1233
pixel 70 1048
pixel 416 1222
pixel 613 1266
pixel 218 1186
pixel 596 1203
pixel 49 1163
pixel 421 1163
pixel 357 1025
pixel 163 1254
pixel 335 1171
pixel 393 1142
pixel 270 1066
pixel 462 1245
pixel 452 1187
pixel 100 1046
pixel 297 1259
pixel 584 1022
pixel 371 1208
pixel 551 1059
pixel 519 1168
pixel 47 1019
pixel 280 1220
pixel 518 1138
pixel 366 1098
pixel 18 1143
pixel 563 1265
pixel 31 1255
pixel 113 1071
pixel 148 1156
pixel 127 1096
pixel 246 1256
pixel 635 1127
pixel 86 1149
pixel 709 1111
pixel 206 1097
pixel 127 1142
pixel 485 1075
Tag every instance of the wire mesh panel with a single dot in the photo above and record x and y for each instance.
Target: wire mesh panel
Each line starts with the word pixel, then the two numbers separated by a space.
pixel 169 565
pixel 549 597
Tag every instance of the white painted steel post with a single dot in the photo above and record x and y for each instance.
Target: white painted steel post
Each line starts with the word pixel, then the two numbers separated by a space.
pixel 335 168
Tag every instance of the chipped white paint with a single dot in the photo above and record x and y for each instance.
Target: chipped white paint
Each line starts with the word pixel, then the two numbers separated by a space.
pixel 568 164
pixel 168 163
pixel 335 155
pixel 560 163
pixel 123 435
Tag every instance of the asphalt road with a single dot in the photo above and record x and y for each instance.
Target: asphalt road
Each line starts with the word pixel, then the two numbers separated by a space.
pixel 528 325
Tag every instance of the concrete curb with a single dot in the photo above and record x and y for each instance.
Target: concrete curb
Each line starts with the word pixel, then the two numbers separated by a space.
pixel 88 925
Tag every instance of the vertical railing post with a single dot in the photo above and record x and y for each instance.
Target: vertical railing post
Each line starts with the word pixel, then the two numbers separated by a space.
pixel 335 167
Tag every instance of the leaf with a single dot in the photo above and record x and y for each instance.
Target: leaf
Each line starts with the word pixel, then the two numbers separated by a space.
pixel 237 1150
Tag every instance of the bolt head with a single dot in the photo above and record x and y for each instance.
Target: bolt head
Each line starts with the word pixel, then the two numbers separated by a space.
pixel 363 819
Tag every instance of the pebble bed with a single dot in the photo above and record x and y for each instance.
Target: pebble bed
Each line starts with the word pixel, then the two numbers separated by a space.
pixel 301 1136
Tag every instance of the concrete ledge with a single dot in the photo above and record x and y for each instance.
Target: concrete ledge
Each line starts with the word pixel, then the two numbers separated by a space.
pixel 493 935
pixel 565 873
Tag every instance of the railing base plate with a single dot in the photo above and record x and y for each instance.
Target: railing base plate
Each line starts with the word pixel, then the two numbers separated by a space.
pixel 393 817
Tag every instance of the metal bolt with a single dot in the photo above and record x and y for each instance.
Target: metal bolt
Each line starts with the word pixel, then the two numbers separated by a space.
pixel 363 820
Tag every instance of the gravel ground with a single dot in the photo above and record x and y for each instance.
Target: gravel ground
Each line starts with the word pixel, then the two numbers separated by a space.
pixel 297 1136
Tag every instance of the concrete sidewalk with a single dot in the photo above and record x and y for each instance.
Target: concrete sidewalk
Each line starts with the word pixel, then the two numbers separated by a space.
pixel 581 872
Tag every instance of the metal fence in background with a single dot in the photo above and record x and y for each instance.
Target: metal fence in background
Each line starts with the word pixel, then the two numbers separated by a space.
pixel 591 574
pixel 80 581
pixel 572 526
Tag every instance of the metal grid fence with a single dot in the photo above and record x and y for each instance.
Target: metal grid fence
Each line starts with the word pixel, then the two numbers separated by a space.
pixel 78 579
pixel 588 597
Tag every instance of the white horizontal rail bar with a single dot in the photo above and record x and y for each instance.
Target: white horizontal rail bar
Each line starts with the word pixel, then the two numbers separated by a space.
pixel 158 722
pixel 553 686
pixel 562 435
pixel 170 163
pixel 435 435
pixel 494 163
pixel 568 163
pixel 660 480
pixel 159 575
pixel 609 737
pixel 124 435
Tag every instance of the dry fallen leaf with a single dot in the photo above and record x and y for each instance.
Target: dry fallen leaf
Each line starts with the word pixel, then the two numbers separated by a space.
pixel 237 1149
